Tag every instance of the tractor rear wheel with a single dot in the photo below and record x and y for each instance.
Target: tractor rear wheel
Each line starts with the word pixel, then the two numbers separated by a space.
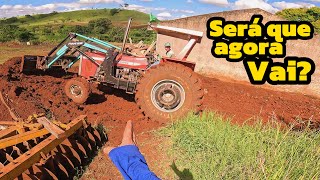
pixel 77 89
pixel 169 90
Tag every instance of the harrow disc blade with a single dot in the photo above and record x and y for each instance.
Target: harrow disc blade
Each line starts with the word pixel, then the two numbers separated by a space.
pixel 91 140
pixel 46 174
pixel 27 176
pixel 38 156
pixel 96 135
pixel 64 164
pixel 85 144
pixel 62 171
pixel 34 170
pixel 71 153
pixel 57 168
pixel 79 148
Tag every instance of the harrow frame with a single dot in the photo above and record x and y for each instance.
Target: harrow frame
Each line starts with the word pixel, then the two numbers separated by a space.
pixel 43 149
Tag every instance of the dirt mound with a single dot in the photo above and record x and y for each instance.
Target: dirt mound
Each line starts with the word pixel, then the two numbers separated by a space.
pixel 33 94
pixel 43 93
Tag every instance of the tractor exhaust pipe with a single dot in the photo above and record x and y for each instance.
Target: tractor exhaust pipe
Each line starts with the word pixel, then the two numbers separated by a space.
pixel 126 34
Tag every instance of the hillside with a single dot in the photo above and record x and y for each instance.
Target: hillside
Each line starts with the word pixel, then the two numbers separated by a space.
pixel 80 17
pixel 105 24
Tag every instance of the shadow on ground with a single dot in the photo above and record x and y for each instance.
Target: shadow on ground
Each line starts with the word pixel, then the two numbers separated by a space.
pixel 185 174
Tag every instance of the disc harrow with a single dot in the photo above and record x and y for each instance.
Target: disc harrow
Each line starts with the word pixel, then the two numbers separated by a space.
pixel 42 149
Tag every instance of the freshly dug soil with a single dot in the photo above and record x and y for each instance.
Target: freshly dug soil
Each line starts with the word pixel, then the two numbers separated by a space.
pixel 43 93
pixel 244 102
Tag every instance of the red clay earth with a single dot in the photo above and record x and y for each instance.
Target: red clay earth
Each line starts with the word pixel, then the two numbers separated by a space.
pixel 43 93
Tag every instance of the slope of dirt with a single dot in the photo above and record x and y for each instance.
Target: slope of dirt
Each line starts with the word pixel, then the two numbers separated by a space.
pixel 43 93
pixel 244 102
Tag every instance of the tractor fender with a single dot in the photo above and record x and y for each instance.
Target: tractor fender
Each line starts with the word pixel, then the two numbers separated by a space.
pixel 188 64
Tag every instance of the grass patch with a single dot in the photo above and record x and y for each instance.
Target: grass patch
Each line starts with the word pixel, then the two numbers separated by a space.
pixel 210 147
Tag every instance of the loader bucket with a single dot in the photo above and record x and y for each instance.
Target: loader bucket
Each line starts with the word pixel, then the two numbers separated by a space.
pixel 30 63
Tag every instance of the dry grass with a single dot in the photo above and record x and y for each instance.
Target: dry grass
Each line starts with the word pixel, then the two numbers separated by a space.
pixel 9 50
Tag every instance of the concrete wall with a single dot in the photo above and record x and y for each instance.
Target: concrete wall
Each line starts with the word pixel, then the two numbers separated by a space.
pixel 207 64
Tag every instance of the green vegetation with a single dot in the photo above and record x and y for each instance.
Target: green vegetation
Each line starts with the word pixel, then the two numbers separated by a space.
pixel 208 147
pixel 303 14
pixel 106 24
pixel 99 26
pixel 114 11
pixel 13 32
pixel 81 17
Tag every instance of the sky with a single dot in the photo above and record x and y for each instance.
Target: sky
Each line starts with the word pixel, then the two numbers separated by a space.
pixel 163 9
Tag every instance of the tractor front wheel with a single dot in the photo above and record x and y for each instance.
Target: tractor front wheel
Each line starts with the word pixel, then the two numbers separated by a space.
pixel 78 89
pixel 169 90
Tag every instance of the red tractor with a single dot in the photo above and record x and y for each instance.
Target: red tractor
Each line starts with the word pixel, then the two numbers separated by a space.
pixel 164 88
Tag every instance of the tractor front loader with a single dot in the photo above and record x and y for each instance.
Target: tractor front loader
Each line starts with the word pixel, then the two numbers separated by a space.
pixel 38 148
pixel 164 88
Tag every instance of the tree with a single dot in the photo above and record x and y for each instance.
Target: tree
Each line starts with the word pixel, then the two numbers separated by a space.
pixel 47 30
pixel 11 20
pixel 64 30
pixel 114 11
pixel 81 29
pixel 115 34
pixel 23 35
pixel 316 25
pixel 29 16
pixel 302 14
pixel 315 12
pixel 54 12
pixel 7 32
pixel 100 26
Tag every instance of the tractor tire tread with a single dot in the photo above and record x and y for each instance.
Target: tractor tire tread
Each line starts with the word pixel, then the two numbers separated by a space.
pixel 194 93
pixel 84 85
